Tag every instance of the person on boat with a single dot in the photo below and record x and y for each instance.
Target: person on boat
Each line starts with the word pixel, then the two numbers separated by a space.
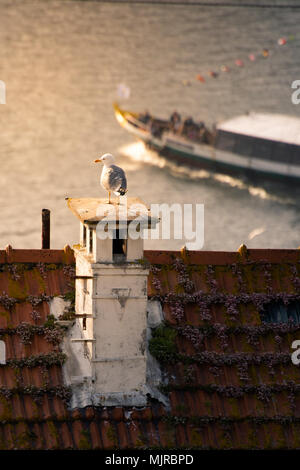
pixel 188 121
pixel 175 121
pixel 175 116
pixel 155 129
pixel 192 133
pixel 186 127
pixel 202 134
pixel 145 118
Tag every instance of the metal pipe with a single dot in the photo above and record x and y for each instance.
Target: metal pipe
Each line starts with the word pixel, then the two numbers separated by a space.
pixel 45 229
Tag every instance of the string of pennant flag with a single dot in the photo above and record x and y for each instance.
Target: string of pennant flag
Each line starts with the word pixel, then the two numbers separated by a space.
pixel 252 57
pixel 123 91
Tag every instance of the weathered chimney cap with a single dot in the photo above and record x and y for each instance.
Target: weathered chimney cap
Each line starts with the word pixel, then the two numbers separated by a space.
pixel 92 210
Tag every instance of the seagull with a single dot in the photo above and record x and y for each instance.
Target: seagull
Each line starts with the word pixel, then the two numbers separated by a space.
pixel 113 177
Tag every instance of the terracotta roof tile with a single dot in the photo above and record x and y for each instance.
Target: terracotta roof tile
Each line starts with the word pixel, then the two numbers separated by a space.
pixel 181 435
pixel 89 413
pixel 104 414
pixel 151 434
pixel 51 435
pixel 38 438
pixel 123 437
pixel 146 414
pixel 8 437
pixel 109 435
pixel 167 435
pixel 81 435
pixel 66 433
pixel 117 413
pixel 96 442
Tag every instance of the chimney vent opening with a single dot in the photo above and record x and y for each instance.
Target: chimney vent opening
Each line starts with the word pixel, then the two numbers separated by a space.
pixel 84 236
pixel 90 241
pixel 119 247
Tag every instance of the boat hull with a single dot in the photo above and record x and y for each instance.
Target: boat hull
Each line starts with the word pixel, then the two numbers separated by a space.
pixel 203 156
pixel 216 166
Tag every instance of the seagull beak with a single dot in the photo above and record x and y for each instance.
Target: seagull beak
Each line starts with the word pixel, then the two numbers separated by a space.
pixel 98 160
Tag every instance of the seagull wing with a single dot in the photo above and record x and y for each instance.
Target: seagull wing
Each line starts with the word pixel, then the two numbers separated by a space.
pixel 114 179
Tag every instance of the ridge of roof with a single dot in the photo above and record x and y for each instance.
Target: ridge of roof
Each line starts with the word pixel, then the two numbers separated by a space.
pixel 225 257
pixel 11 255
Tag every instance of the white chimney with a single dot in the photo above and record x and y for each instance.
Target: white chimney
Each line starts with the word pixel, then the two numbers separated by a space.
pixel 107 346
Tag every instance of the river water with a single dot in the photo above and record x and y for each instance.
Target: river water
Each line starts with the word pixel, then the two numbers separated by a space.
pixel 62 63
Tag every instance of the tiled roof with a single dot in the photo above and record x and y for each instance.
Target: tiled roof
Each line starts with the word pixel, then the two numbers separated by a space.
pixel 31 385
pixel 231 382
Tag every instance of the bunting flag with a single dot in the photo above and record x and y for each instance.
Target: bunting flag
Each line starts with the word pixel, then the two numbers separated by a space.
pixel 252 57
pixel 281 41
pixel 239 63
pixel 200 78
pixel 225 68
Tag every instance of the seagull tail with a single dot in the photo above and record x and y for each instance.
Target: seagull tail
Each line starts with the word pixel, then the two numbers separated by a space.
pixel 121 192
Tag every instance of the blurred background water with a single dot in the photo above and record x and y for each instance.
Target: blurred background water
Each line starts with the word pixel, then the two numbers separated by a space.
pixel 62 63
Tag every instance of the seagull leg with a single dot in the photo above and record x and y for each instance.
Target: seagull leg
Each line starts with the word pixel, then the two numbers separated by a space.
pixel 108 197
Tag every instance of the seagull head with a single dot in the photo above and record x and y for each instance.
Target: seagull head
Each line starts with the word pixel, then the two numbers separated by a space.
pixel 107 159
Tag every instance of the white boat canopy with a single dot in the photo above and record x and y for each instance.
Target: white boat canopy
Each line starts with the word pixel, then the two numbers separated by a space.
pixel 276 127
